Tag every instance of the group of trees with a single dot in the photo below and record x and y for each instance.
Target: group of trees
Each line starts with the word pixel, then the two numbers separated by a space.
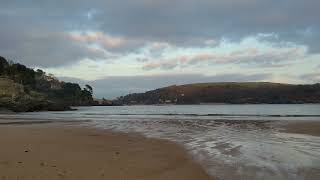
pixel 72 94
pixel 55 90
pixel 17 72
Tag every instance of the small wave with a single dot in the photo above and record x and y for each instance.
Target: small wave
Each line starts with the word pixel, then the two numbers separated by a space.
pixel 217 115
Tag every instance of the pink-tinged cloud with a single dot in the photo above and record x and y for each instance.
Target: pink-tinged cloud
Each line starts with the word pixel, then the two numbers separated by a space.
pixel 163 65
pixel 99 38
pixel 251 56
pixel 156 46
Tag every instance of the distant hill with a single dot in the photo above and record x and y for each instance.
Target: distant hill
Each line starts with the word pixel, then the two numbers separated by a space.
pixel 25 89
pixel 227 92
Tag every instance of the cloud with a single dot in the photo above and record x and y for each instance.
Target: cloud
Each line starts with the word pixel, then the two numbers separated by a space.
pixel 104 40
pixel 250 51
pixel 45 48
pixel 142 37
pixel 98 38
pixel 165 64
pixel 311 77
pixel 234 19
pixel 252 54
pixel 160 20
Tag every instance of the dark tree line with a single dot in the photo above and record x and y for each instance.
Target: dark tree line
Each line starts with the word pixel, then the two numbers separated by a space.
pixel 17 72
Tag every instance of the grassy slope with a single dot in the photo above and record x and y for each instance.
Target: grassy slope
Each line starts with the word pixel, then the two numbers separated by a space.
pixel 9 88
pixel 230 92
pixel 13 97
pixel 222 86
pixel 242 84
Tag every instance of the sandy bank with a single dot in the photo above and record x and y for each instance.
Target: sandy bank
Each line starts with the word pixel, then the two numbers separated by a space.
pixel 302 127
pixel 48 152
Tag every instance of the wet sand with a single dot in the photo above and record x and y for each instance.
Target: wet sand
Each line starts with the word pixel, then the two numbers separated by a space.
pixel 302 127
pixel 43 151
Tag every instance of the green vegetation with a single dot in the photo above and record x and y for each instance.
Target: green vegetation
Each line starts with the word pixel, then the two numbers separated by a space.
pixel 24 89
pixel 232 93
pixel 8 87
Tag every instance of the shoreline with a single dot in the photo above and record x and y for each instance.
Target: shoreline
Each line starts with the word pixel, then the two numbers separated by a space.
pixel 91 141
pixel 60 151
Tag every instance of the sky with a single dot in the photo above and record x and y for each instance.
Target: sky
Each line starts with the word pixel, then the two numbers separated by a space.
pixel 128 46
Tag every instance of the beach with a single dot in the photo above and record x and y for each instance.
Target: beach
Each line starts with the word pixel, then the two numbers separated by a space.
pixel 163 142
pixel 55 151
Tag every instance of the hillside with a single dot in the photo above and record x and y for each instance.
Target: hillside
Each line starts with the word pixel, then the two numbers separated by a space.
pixel 25 89
pixel 229 92
pixel 8 87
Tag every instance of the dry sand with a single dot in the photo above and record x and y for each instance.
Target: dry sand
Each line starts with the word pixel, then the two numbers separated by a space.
pixel 45 152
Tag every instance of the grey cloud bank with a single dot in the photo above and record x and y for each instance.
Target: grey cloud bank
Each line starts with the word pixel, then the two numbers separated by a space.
pixel 179 22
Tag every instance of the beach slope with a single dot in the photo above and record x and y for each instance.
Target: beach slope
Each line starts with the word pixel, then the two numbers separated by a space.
pixel 40 152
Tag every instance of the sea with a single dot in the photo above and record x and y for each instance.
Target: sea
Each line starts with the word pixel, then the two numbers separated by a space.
pixel 229 141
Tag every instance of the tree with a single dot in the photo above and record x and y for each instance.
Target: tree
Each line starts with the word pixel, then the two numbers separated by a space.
pixel 3 65
pixel 89 88
pixel 21 74
pixel 39 72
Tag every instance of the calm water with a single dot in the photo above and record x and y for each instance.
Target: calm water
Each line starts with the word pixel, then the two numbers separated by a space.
pixel 242 140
